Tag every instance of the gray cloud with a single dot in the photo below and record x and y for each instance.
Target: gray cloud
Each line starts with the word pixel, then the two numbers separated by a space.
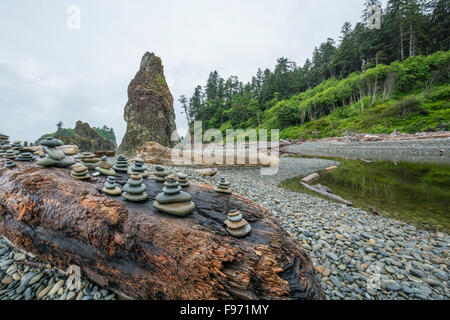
pixel 49 73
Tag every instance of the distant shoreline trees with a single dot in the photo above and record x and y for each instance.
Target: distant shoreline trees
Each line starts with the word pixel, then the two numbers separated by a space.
pixel 408 28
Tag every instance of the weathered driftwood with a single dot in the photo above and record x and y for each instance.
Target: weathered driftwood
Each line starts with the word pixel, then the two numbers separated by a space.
pixel 140 253
pixel 327 194
pixel 312 177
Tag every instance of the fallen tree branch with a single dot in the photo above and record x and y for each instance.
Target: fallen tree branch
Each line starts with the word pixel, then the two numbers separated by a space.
pixel 328 195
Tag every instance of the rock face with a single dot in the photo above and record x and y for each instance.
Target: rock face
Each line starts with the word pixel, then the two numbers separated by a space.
pixel 141 253
pixel 149 111
pixel 87 139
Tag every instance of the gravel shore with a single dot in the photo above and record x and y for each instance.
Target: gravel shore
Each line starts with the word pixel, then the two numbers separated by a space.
pixel 414 150
pixel 24 282
pixel 357 255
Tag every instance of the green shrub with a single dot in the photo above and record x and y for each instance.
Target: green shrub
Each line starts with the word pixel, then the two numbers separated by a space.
pixel 406 107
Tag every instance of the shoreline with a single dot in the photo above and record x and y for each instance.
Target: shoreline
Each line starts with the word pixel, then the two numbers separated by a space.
pixel 411 149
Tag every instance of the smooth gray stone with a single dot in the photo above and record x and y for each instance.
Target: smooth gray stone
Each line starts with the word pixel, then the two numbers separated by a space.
pixel 417 273
pixel 235 218
pixel 47 162
pixel 134 189
pixel 51 142
pixel 172 190
pixel 135 197
pixel 181 196
pixel 54 153
pixel 110 185
pixel 135 182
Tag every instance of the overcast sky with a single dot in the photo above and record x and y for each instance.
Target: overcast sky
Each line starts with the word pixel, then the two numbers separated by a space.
pixel 51 73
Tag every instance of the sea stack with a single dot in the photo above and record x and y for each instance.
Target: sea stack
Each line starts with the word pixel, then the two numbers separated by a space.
pixel 223 186
pixel 110 187
pixel 80 172
pixel 54 156
pixel 135 189
pixel 149 111
pixel 160 173
pixel 138 167
pixel 237 226
pixel 172 200
pixel 182 179
pixel 121 164
pixel 105 167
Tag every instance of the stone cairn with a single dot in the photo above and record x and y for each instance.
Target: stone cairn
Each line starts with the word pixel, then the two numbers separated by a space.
pixel 4 142
pixel 25 156
pixel 237 226
pixel 105 167
pixel 10 164
pixel 135 189
pixel 10 154
pixel 79 172
pixel 17 145
pixel 160 173
pixel 223 186
pixel 89 160
pixel 52 155
pixel 138 167
pixel 172 200
pixel 110 187
pixel 121 164
pixel 182 179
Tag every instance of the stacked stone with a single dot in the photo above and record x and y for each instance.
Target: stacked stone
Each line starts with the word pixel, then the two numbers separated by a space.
pixel 3 140
pixel 223 186
pixel 4 144
pixel 9 163
pixel 79 172
pixel 121 164
pixel 17 145
pixel 182 179
pixel 52 155
pixel 138 167
pixel 237 226
pixel 25 156
pixel 89 160
pixel 160 173
pixel 10 154
pixel 110 187
pixel 105 167
pixel 135 189
pixel 172 200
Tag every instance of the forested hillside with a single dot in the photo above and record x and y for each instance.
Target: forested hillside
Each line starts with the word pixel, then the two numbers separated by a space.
pixel 365 68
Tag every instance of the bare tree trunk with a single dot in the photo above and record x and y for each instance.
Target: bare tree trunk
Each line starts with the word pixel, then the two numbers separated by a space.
pixel 401 42
pixel 140 253
pixel 411 40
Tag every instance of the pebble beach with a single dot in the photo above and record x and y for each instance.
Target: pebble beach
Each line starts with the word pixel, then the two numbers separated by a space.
pixel 357 255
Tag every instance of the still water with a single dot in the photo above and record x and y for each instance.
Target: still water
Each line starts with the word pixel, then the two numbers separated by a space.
pixel 416 193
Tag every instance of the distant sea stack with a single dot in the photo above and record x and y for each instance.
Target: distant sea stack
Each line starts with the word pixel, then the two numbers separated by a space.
pixel 149 111
pixel 87 139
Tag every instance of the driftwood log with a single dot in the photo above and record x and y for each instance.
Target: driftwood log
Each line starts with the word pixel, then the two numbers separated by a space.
pixel 327 194
pixel 140 253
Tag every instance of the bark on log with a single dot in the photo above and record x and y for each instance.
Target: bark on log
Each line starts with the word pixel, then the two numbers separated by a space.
pixel 328 195
pixel 140 253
